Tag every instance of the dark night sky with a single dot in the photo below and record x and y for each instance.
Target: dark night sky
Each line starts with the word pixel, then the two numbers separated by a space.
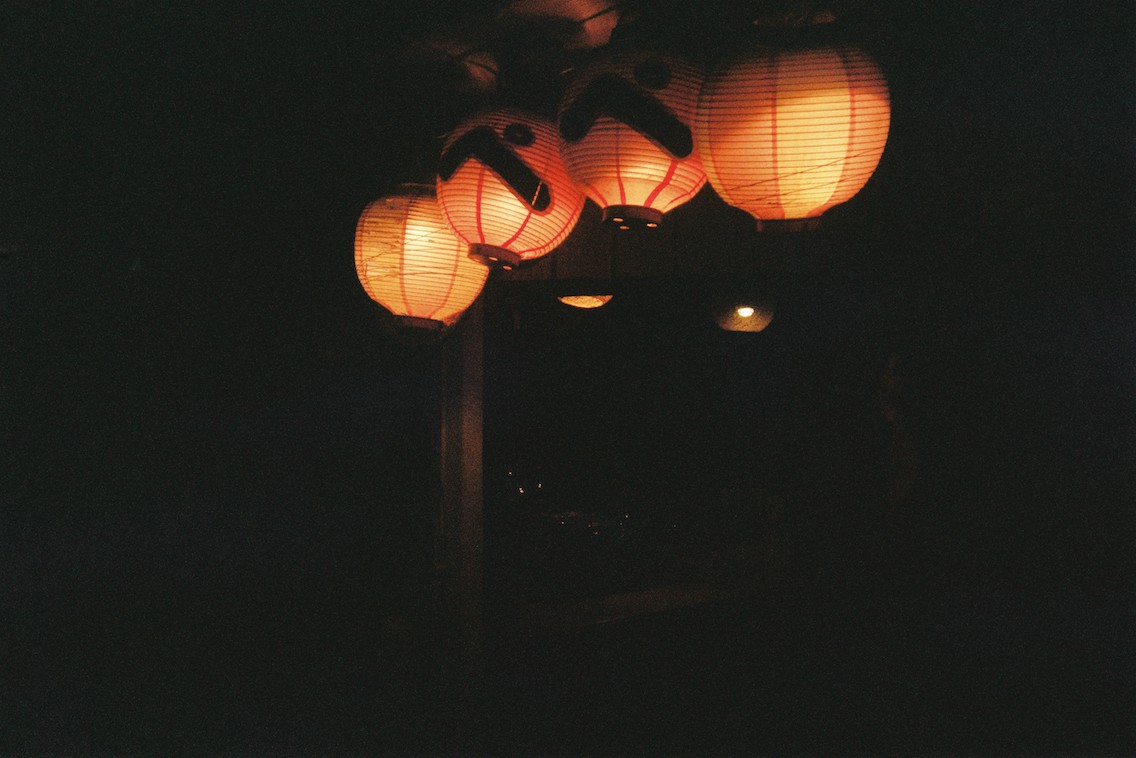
pixel 196 396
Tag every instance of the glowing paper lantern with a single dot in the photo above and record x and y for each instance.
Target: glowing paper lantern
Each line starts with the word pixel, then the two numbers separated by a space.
pixel 746 315
pixel 625 135
pixel 787 133
pixel 585 301
pixel 410 262
pixel 503 188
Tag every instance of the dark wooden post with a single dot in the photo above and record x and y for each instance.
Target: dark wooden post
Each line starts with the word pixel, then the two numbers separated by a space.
pixel 458 526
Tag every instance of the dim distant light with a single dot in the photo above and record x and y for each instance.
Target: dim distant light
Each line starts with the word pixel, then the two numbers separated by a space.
pixel 751 316
pixel 585 301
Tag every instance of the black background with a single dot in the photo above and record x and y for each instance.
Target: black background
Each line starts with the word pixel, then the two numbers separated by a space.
pixel 219 458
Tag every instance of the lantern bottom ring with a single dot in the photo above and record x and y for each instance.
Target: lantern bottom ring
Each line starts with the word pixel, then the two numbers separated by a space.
pixel 787 225
pixel 632 216
pixel 427 324
pixel 492 255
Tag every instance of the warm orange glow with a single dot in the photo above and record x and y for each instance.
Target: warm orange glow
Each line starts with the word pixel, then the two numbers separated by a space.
pixel 503 188
pixel 744 318
pixel 585 301
pixel 625 134
pixel 789 133
pixel 409 261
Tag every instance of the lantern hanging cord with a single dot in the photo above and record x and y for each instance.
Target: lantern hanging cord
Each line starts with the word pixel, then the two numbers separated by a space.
pixel 610 8
pixel 465 57
pixel 615 7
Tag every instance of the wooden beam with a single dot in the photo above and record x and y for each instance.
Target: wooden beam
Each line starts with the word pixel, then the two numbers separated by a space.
pixel 458 526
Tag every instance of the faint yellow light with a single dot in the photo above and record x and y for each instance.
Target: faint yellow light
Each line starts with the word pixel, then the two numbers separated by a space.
pixel 521 490
pixel 753 317
pixel 585 301
pixel 410 262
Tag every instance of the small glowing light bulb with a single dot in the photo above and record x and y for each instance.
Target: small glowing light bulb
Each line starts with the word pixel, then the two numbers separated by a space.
pixel 745 311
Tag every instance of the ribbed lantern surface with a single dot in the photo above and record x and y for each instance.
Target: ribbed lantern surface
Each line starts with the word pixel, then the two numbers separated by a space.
pixel 789 133
pixel 503 188
pixel 625 134
pixel 410 262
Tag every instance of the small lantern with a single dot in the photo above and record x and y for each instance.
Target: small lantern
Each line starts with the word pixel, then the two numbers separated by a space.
pixel 410 262
pixel 587 302
pixel 743 315
pixel 503 188
pixel 625 135
pixel 788 132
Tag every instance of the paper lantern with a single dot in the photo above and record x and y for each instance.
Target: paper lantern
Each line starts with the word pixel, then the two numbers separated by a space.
pixel 503 188
pixel 410 262
pixel 743 315
pixel 787 133
pixel 625 135
pixel 586 302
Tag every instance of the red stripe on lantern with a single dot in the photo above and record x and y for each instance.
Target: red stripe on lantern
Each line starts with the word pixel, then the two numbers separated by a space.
pixel 789 133
pixel 618 119
pixel 485 209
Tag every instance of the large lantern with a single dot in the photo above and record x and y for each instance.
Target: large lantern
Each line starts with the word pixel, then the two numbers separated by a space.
pixel 625 134
pixel 787 133
pixel 503 188
pixel 410 262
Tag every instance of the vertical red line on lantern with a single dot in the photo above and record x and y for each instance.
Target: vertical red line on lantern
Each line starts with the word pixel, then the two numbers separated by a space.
pixel 361 265
pixel 599 196
pixel 662 185
pixel 450 286
pixel 544 171
pixel 520 229
pixel 477 204
pixel 619 167
pixel 402 258
pixel 705 122
pixel 680 199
